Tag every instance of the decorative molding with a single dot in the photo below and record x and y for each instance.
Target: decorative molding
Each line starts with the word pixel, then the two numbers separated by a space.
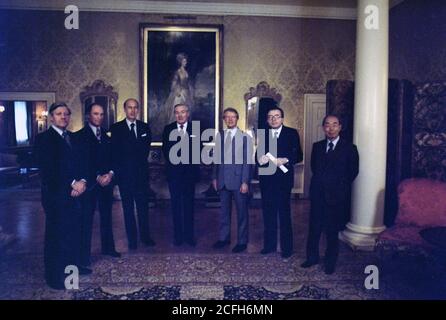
pixel 188 8
pixel 49 97
pixel 98 88
pixel 263 90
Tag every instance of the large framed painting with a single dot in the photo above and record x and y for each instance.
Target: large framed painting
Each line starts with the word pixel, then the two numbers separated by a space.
pixel 181 64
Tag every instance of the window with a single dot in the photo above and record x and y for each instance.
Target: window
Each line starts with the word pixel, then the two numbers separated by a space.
pixel 22 116
pixel 21 123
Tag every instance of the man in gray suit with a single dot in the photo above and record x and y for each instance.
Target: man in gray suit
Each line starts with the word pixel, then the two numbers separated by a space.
pixel 231 176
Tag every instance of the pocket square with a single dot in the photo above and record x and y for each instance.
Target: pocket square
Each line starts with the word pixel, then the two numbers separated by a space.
pixel 143 135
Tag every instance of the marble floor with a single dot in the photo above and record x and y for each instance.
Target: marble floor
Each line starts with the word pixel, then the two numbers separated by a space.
pixel 169 272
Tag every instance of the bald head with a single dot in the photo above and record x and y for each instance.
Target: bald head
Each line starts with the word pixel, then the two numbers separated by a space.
pixel 131 109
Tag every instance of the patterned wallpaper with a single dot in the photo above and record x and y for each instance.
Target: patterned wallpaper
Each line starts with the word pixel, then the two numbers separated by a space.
pixel 296 56
pixel 417 41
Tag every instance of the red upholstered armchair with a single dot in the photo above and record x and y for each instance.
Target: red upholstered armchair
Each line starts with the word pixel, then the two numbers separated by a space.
pixel 422 204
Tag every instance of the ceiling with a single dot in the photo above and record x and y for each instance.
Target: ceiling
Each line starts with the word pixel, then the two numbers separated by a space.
pixel 308 3
pixel 325 9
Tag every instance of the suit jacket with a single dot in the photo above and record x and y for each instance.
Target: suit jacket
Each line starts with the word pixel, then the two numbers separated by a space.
pixel 59 165
pixel 288 146
pixel 239 170
pixel 188 171
pixel 333 173
pixel 130 155
pixel 96 154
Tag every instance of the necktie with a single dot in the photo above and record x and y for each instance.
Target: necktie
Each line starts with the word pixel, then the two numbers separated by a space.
pixel 98 133
pixel 330 147
pixel 276 134
pixel 228 147
pixel 182 129
pixel 66 137
pixel 132 130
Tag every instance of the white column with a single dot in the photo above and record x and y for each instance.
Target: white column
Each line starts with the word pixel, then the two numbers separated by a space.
pixel 370 124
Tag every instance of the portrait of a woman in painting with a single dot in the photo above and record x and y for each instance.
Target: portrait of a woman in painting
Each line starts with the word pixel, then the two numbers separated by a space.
pixel 181 89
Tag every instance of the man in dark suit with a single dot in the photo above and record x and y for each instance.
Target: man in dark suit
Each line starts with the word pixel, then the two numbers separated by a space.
pixel 130 141
pixel 334 164
pixel 231 178
pixel 281 147
pixel 181 175
pixel 96 152
pixel 63 181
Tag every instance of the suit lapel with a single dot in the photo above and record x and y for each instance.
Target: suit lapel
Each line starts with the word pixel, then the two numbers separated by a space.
pixel 129 133
pixel 90 135
pixel 323 149
pixel 282 138
pixel 337 150
pixel 60 141
pixel 189 129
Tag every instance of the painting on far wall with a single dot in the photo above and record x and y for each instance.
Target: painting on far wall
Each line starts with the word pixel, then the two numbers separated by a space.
pixel 180 64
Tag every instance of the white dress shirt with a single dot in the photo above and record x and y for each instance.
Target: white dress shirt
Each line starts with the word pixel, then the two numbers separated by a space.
pixel 130 128
pixel 233 131
pixel 335 141
pixel 58 130
pixel 184 130
pixel 278 130
pixel 94 128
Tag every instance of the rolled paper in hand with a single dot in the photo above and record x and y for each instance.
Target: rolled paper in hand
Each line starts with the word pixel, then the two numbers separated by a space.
pixel 274 160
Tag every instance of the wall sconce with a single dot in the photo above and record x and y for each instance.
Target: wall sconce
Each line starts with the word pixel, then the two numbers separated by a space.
pixel 2 108
pixel 43 115
pixel 252 103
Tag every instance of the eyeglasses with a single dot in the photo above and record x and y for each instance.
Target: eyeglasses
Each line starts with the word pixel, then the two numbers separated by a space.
pixel 275 117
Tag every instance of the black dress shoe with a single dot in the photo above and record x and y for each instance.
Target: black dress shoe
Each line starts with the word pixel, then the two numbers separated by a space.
pixel 286 254
pixel 149 242
pixel 84 271
pixel 308 264
pixel 267 250
pixel 239 248
pixel 177 243
pixel 133 247
pixel 329 269
pixel 112 253
pixel 191 242
pixel 220 244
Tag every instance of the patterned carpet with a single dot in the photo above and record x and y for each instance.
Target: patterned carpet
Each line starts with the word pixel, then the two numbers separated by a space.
pixel 166 272
pixel 225 277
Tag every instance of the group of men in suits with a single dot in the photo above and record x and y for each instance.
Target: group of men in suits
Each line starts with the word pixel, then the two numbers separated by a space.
pixel 79 171
pixel 334 163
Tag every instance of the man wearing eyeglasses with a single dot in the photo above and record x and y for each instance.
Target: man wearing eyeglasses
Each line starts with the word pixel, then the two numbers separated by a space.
pixel 334 164
pixel 281 146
